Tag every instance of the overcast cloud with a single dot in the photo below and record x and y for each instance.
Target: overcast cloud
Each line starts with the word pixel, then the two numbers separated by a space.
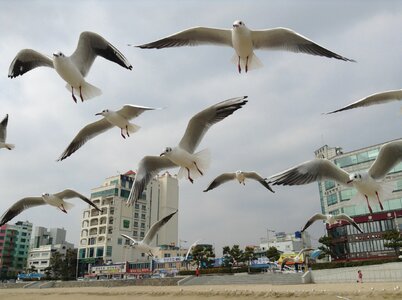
pixel 281 125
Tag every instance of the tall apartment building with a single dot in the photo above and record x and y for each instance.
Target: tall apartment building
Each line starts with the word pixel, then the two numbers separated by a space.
pixel 101 240
pixel 14 247
pixel 348 243
pixel 44 243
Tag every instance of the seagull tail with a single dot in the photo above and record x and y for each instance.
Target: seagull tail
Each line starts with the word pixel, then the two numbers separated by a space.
pixel 252 63
pixel 133 128
pixel 9 146
pixel 202 161
pixel 68 205
pixel 88 91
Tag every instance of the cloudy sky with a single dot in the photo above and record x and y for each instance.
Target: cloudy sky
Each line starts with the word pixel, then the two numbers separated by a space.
pixel 281 125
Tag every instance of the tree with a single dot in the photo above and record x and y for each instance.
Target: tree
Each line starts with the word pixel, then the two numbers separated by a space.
pixel 69 265
pixel 32 269
pixel 326 247
pixel 273 253
pixel 203 255
pixel 394 240
pixel 248 254
pixel 232 256
pixel 56 262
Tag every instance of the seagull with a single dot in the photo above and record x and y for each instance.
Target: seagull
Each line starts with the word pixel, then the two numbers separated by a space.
pixel 119 118
pixel 240 176
pixel 296 259
pixel 144 244
pixel 377 98
pixel 3 134
pixel 331 220
pixel 56 200
pixel 190 248
pixel 72 68
pixel 183 154
pixel 367 182
pixel 244 41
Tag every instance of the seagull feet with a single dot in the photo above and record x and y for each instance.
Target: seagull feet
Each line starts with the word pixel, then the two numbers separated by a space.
pixel 202 174
pixel 246 64
pixel 188 175
pixel 238 66
pixel 121 132
pixel 72 94
pixel 62 208
pixel 379 201
pixel 82 99
pixel 368 204
pixel 128 134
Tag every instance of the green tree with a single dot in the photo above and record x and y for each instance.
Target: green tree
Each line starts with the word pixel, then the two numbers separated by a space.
pixel 248 254
pixel 273 253
pixel 232 256
pixel 227 258
pixel 32 269
pixel 203 255
pixel 326 246
pixel 392 239
pixel 56 264
pixel 69 265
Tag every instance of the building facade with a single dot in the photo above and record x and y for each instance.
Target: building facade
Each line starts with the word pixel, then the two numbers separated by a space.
pixel 101 241
pixel 14 247
pixel 42 236
pixel 287 242
pixel 349 244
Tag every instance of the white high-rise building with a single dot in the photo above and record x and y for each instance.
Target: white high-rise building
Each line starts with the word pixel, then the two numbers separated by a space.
pixel 100 237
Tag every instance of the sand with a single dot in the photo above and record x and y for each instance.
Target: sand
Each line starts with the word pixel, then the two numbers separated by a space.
pixel 240 292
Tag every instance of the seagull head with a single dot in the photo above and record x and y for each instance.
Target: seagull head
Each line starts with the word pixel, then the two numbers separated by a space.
pixel 167 151
pixel 45 195
pixel 102 113
pixel 355 177
pixel 58 54
pixel 238 24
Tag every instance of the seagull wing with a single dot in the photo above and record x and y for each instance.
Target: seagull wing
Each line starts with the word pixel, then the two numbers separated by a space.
pixel 3 129
pixel 313 170
pixel 201 122
pixel 20 206
pixel 352 222
pixel 287 39
pixel 193 37
pixel 155 228
pixel 390 154
pixel 304 250
pixel 128 237
pixel 313 219
pixel 89 46
pixel 148 168
pixel 68 194
pixel 255 176
pixel 225 177
pixel 26 60
pixel 378 98
pixel 191 247
pixel 132 111
pixel 85 134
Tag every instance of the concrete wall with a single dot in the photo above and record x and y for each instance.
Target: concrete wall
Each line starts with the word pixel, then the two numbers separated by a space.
pixel 374 273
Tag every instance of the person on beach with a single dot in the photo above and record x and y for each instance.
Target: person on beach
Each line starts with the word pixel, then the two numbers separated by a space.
pixel 359 276
pixel 197 272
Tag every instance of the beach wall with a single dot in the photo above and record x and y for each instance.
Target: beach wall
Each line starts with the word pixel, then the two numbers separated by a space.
pixel 374 273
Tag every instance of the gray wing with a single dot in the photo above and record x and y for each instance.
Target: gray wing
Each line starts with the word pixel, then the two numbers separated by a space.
pixel 313 170
pixel 348 219
pixel 287 39
pixel 255 176
pixel 3 129
pixel 155 228
pixel 201 122
pixel 26 60
pixel 225 177
pixel 68 194
pixel 191 247
pixel 84 135
pixel 304 250
pixel 193 37
pixel 148 168
pixel 20 206
pixel 390 154
pixel 378 98
pixel 313 219
pixel 129 111
pixel 128 237
pixel 90 45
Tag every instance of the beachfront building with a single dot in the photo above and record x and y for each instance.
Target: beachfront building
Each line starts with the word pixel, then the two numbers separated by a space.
pixel 336 198
pixel 287 242
pixel 100 239
pixel 44 244
pixel 14 247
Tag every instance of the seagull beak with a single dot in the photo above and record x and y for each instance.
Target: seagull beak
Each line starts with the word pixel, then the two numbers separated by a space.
pixel 98 114
pixel 55 54
pixel 162 154
pixel 350 181
pixel 235 25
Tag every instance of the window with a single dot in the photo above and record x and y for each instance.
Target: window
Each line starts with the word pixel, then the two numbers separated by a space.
pixel 329 184
pixel 347 194
pixel 142 216
pixel 126 224
pixel 91 252
pixel 119 241
pixel 135 232
pixel 144 207
pixel 135 224
pixel 137 206
pixel 108 250
pixel 142 234
pixel 99 252
pixel 136 215
pixel 332 199
pixel 142 225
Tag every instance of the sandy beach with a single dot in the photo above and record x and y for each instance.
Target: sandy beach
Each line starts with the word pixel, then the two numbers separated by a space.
pixel 309 291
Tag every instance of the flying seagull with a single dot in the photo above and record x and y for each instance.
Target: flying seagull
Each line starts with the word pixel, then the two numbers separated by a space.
pixel 119 118
pixel 194 164
pixel 244 41
pixel 3 134
pixel 144 244
pixel 240 176
pixel 331 220
pixel 368 183
pixel 72 68
pixel 296 259
pixel 378 98
pixel 56 200
pixel 190 248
